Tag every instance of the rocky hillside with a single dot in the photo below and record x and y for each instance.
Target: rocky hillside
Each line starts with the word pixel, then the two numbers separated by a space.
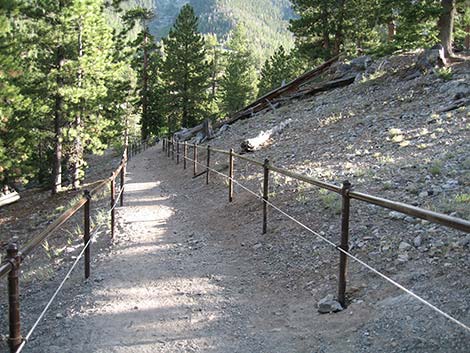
pixel 393 133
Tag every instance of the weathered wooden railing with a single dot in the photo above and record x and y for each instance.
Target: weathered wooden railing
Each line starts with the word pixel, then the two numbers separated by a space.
pixel 345 191
pixel 15 256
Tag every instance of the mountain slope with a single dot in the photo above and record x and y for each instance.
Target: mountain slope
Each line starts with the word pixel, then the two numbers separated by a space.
pixel 266 20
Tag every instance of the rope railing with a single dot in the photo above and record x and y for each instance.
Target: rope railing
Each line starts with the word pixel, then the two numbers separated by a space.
pixel 413 211
pixel 15 256
pixel 59 288
pixel 346 193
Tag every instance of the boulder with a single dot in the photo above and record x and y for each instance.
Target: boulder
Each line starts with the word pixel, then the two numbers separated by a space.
pixel 361 63
pixel 329 305
pixel 431 59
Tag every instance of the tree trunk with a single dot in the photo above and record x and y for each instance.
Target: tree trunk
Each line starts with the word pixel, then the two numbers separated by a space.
pixel 77 144
pixel 392 31
pixel 339 35
pixel 57 159
pixel 214 74
pixel 145 122
pixel 326 34
pixel 446 26
pixel 467 38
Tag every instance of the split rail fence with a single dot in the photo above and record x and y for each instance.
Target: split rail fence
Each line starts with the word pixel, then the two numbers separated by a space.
pixel 173 148
pixel 10 268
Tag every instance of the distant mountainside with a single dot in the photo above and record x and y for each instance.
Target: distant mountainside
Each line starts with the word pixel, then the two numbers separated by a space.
pixel 266 20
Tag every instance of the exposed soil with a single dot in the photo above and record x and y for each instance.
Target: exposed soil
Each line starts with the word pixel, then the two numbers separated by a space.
pixel 186 275
pixel 190 272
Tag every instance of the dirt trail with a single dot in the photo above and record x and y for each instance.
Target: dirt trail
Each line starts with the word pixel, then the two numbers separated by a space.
pixel 190 272
pixel 175 280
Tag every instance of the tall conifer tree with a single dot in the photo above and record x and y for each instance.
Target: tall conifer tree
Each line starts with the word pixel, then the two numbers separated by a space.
pixel 280 68
pixel 186 72
pixel 145 43
pixel 239 83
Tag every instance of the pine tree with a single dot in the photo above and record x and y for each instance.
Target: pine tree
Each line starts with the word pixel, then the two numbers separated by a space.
pixel 75 37
pixel 216 59
pixel 324 29
pixel 280 68
pixel 186 72
pixel 239 83
pixel 156 122
pixel 94 73
pixel 15 148
pixel 146 44
pixel 50 47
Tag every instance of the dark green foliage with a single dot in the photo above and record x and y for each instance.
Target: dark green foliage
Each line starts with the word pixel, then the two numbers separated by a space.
pixel 325 28
pixel 217 62
pixel 155 122
pixel 280 68
pixel 145 43
pixel 186 72
pixel 14 147
pixel 68 87
pixel 238 85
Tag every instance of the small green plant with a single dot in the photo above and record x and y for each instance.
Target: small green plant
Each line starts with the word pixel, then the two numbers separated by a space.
pixel 462 198
pixel 330 201
pixel 47 249
pixel 436 168
pixel 445 73
pixel 460 204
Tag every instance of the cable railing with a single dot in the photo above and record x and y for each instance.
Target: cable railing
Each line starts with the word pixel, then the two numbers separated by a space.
pixel 173 147
pixel 11 266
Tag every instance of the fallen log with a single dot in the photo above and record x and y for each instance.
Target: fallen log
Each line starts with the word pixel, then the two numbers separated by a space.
pixel 457 104
pixel 186 134
pixel 292 86
pixel 205 129
pixel 326 86
pixel 9 198
pixel 255 143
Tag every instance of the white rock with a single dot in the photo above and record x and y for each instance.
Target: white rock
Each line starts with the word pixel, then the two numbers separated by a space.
pixel 417 241
pixel 329 305
pixel 404 246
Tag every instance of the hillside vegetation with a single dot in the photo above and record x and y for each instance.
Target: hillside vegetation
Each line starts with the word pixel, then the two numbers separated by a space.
pixel 266 20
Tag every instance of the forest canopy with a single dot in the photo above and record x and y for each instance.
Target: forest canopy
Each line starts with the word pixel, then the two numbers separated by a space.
pixel 80 76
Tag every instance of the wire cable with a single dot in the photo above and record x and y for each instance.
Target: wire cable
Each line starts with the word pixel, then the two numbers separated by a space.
pixel 49 303
pixel 370 268
pixel 121 190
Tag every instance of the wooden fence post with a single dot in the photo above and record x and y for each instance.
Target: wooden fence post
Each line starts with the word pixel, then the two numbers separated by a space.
pixel 208 163
pixel 86 232
pixel 123 177
pixel 230 173
pixel 185 154
pixel 265 195
pixel 173 149
pixel 343 259
pixel 177 152
pixel 195 159
pixel 14 339
pixel 113 200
